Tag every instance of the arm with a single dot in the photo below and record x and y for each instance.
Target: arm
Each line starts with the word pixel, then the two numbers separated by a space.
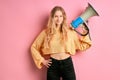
pixel 35 50
pixel 85 42
pixel 82 42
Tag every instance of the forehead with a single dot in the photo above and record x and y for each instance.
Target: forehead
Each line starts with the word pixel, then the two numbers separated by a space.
pixel 58 12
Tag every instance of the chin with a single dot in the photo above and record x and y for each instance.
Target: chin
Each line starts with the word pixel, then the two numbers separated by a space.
pixel 59 23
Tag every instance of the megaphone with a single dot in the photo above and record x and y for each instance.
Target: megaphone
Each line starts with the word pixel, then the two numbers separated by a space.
pixel 89 12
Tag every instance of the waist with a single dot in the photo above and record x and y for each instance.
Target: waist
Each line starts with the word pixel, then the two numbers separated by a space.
pixel 56 60
pixel 60 56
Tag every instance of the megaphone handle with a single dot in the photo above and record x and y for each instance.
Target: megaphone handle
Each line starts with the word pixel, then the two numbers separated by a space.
pixel 86 29
pixel 81 33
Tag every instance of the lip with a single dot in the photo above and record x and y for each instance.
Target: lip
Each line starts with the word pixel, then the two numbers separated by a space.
pixel 58 21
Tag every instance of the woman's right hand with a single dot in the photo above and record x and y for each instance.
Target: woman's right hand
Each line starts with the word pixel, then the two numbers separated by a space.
pixel 47 63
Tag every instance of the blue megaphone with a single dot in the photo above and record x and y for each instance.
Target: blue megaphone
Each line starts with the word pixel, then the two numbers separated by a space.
pixel 89 12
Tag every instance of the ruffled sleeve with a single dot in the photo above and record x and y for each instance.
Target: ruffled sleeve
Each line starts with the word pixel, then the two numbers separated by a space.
pixel 35 50
pixel 82 42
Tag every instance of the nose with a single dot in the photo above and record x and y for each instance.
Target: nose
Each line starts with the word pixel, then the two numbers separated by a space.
pixel 58 18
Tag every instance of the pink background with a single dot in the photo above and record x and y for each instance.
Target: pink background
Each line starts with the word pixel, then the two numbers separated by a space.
pixel 22 20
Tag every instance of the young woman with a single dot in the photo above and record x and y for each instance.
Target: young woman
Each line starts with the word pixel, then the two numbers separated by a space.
pixel 59 41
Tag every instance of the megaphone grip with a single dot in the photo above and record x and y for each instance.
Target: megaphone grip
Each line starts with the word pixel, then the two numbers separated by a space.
pixel 77 22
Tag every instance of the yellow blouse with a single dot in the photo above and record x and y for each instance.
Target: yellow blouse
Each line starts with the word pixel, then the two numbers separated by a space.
pixel 73 43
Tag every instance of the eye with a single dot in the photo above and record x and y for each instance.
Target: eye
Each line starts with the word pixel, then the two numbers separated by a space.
pixel 61 16
pixel 55 16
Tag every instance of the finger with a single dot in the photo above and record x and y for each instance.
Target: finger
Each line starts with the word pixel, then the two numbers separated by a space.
pixel 50 61
pixel 49 64
pixel 46 64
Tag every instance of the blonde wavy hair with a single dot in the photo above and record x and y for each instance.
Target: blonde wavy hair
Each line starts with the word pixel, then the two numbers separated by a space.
pixel 51 27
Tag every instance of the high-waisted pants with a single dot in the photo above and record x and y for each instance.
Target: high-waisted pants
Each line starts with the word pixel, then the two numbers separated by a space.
pixel 61 69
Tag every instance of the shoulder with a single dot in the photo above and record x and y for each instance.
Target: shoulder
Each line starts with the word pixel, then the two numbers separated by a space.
pixel 71 31
pixel 42 33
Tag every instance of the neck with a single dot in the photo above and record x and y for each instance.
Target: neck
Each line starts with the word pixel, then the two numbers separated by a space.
pixel 58 27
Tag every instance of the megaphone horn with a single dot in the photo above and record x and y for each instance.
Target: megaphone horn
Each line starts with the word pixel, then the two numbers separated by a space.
pixel 89 12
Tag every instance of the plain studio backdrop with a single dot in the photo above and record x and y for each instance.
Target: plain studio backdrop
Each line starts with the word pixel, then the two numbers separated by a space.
pixel 22 20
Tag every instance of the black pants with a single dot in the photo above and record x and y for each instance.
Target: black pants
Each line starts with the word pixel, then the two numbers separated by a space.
pixel 61 68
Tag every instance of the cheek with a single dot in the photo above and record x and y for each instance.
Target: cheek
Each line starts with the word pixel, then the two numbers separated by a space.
pixel 62 18
pixel 55 19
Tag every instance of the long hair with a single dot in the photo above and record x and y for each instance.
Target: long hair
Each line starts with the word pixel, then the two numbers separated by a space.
pixel 51 26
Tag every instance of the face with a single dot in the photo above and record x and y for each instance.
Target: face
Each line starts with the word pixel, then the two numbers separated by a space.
pixel 58 18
